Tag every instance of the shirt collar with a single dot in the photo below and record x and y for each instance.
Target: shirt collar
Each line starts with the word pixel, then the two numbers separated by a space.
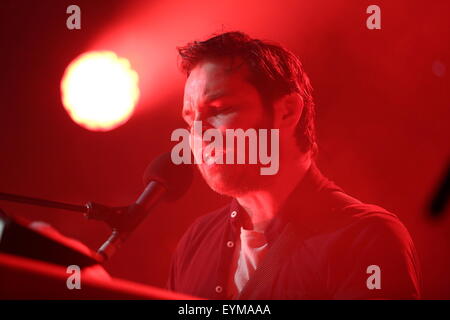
pixel 304 207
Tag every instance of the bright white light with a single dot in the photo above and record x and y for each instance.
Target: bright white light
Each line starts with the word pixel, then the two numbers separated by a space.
pixel 100 90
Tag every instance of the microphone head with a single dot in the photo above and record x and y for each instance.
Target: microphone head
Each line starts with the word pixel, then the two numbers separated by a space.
pixel 175 178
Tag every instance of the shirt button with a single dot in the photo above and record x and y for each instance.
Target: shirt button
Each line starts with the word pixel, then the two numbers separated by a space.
pixel 233 214
pixel 230 244
pixel 219 289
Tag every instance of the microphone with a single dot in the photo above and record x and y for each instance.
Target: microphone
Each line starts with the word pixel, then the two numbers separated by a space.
pixel 165 181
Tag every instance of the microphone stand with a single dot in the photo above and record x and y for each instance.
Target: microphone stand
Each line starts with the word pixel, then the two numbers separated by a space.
pixel 129 218
pixel 113 216
pixel 42 202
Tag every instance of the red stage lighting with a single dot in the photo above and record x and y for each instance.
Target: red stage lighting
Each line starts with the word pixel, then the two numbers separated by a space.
pixel 100 90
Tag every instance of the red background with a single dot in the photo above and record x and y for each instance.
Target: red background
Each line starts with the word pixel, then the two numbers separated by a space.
pixel 382 101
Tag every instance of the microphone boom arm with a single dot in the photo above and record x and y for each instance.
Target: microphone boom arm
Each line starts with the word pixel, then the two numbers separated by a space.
pixel 42 202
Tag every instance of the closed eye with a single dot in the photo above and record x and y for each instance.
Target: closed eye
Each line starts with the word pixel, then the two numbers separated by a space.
pixel 223 110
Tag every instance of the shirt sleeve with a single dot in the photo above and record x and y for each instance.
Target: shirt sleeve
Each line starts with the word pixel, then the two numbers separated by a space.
pixel 374 259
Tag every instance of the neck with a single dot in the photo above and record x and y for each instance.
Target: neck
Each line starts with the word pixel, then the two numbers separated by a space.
pixel 262 205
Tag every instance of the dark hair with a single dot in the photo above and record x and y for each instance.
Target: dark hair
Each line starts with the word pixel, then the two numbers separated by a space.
pixel 274 70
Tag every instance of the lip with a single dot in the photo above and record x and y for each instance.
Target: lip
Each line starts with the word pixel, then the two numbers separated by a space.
pixel 210 157
pixel 206 154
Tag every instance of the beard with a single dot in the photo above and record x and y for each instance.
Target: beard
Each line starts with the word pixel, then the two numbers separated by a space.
pixel 233 179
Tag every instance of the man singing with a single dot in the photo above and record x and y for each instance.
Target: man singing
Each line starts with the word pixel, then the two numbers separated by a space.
pixel 293 234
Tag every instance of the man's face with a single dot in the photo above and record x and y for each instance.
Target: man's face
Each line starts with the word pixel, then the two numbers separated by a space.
pixel 222 98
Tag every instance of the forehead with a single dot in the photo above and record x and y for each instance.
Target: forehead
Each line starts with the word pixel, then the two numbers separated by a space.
pixel 212 79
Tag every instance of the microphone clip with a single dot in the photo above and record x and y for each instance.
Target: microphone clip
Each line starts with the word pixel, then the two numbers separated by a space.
pixel 113 216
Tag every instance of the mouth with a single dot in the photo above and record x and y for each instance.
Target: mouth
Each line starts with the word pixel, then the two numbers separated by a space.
pixel 207 154
pixel 210 155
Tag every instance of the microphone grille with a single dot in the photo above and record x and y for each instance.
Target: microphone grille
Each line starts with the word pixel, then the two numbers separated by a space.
pixel 175 178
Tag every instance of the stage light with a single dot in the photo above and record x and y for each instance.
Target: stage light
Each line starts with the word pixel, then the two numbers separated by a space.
pixel 100 90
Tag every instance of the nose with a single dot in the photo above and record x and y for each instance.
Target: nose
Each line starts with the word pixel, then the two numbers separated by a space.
pixel 203 120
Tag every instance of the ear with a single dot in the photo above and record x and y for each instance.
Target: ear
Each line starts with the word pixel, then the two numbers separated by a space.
pixel 288 110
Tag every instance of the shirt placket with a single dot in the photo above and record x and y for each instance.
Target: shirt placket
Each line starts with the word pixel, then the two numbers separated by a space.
pixel 227 247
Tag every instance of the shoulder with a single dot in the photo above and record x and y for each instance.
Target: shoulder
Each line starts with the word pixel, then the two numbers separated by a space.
pixel 375 237
pixel 350 225
pixel 361 219
pixel 365 236
pixel 339 215
pixel 351 230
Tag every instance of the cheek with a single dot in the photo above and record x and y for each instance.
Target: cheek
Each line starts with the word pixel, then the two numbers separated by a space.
pixel 256 119
pixel 223 122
